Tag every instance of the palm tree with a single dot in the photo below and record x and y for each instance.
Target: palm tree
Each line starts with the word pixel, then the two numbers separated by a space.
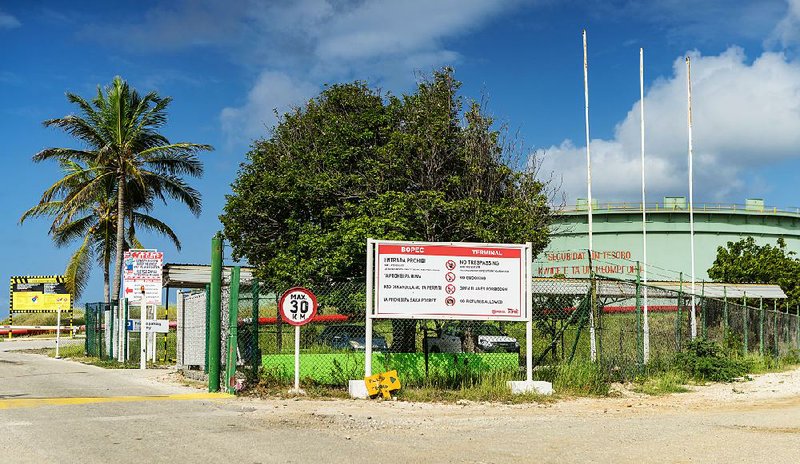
pixel 120 127
pixel 95 226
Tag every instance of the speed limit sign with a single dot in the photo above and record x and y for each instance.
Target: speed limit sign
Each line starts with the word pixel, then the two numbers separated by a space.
pixel 298 306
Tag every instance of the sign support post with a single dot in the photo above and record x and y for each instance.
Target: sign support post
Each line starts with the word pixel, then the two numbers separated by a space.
pixel 450 281
pixel 297 306
pixel 368 328
pixel 143 333
pixel 58 333
pixel 296 389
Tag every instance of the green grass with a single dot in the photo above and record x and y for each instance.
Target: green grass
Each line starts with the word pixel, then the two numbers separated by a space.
pixel 663 383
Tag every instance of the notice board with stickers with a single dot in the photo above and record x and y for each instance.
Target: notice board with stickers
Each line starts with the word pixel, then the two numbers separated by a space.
pixel 31 294
pixel 450 280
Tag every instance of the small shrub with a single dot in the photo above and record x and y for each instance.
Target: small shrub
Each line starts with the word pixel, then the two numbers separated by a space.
pixel 706 360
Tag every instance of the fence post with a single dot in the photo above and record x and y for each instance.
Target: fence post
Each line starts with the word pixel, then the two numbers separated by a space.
pixel 111 319
pixel 678 319
pixel 703 328
pixel 639 346
pixel 761 325
pixel 592 308
pixel 775 327
pixel 214 329
pixel 746 322
pixel 208 312
pixel 725 322
pixel 87 321
pixel 797 326
pixel 233 330
pixel 256 351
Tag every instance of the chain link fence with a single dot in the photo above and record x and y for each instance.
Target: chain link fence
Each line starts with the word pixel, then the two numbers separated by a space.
pixel 452 354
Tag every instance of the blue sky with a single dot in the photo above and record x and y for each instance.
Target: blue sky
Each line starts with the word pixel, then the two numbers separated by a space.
pixel 229 64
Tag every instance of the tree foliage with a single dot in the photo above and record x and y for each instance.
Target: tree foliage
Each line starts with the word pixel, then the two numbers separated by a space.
pixel 123 155
pixel 744 261
pixel 353 163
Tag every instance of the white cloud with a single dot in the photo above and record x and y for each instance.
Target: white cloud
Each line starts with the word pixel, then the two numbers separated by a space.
pixel 384 41
pixel 744 116
pixel 787 31
pixel 272 91
pixel 8 21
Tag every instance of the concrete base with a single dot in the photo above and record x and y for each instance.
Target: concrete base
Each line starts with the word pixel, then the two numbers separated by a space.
pixel 358 389
pixel 297 391
pixel 530 386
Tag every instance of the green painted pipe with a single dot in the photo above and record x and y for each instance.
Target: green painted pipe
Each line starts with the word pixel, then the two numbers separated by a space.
pixel 233 330
pixel 214 329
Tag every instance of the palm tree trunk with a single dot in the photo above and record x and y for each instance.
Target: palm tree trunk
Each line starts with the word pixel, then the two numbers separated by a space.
pixel 120 235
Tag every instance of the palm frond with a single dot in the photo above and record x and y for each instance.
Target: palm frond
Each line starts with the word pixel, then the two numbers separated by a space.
pixel 76 275
pixel 155 225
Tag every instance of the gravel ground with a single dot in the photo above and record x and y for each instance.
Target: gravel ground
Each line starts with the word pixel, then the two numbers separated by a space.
pixel 747 421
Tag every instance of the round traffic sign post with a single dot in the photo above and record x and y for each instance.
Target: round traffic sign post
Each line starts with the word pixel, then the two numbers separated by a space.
pixel 298 306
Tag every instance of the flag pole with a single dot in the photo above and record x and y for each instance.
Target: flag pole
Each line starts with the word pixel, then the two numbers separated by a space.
pixel 646 324
pixel 693 317
pixel 592 335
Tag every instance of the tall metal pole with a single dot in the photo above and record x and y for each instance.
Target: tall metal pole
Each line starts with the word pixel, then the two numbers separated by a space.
pixel 143 332
pixel 214 315
pixel 368 322
pixel 646 324
pixel 592 336
pixel 691 193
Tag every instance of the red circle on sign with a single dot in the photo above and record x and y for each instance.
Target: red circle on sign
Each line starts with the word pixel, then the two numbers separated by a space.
pixel 450 277
pixel 285 310
pixel 450 264
pixel 449 301
pixel 450 288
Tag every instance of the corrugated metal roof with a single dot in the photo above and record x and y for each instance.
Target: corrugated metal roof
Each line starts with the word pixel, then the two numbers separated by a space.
pixel 614 288
pixel 198 275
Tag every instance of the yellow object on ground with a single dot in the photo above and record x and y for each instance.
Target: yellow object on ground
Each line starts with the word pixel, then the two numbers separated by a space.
pixel 383 384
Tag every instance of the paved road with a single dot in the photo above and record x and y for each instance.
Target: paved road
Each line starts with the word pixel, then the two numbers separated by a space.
pixel 61 411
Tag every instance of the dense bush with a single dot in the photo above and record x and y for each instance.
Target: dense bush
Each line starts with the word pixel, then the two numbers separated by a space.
pixel 706 360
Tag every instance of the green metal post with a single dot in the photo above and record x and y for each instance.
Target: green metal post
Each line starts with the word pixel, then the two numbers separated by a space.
pixel 208 312
pixel 113 314
pixel 88 318
pixel 761 326
pixel 746 320
pixel 639 333
pixel 725 322
pixel 256 350
pixel 703 328
pixel 233 330
pixel 775 327
pixel 678 319
pixel 214 329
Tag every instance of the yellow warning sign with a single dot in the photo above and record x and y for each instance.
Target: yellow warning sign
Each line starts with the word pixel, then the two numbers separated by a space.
pixel 382 384
pixel 39 294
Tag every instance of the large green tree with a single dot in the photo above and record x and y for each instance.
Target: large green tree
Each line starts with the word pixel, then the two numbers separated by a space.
pixel 744 261
pixel 119 129
pixel 353 163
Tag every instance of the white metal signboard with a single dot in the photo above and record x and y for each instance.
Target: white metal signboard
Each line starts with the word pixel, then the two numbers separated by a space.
pixel 142 268
pixel 298 306
pixel 151 325
pixel 450 281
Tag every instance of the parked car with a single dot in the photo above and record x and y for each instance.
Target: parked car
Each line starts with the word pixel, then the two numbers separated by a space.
pixel 487 338
pixel 350 337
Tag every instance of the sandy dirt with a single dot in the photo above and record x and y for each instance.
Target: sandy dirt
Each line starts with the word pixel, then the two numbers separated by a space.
pixel 752 421
pixel 748 421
